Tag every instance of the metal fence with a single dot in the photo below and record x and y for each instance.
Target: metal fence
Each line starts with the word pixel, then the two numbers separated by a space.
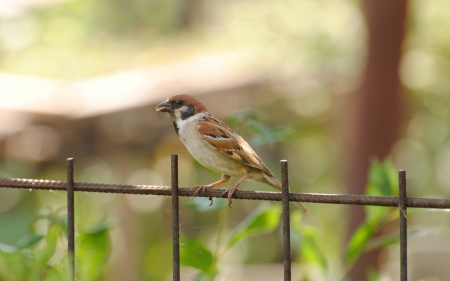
pixel 402 202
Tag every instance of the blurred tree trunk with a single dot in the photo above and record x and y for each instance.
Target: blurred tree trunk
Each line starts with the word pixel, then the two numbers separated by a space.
pixel 189 13
pixel 378 108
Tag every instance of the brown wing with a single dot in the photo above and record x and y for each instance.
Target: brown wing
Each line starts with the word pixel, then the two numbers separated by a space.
pixel 222 138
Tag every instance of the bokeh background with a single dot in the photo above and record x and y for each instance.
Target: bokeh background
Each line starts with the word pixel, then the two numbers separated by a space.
pixel 329 84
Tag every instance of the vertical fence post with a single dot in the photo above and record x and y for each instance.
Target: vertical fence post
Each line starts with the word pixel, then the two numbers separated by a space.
pixel 403 226
pixel 286 221
pixel 175 218
pixel 70 219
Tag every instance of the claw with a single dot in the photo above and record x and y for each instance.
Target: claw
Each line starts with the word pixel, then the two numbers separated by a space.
pixel 230 192
pixel 199 188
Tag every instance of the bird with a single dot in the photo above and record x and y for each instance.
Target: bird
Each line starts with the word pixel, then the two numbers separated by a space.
pixel 214 145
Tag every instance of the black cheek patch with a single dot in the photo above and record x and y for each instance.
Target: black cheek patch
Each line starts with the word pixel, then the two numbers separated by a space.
pixel 188 112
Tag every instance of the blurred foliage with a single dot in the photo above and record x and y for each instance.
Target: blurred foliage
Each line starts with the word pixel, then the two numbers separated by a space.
pixel 381 183
pixel 252 122
pixel 195 253
pixel 44 257
pixel 311 52
pixel 92 252
pixel 369 235
pixel 261 220
pixel 310 251
pixel 29 258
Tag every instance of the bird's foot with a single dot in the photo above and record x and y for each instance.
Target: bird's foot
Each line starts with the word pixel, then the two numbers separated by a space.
pixel 199 188
pixel 203 189
pixel 230 192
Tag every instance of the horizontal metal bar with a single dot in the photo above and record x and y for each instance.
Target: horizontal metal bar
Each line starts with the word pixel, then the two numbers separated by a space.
pixel 347 199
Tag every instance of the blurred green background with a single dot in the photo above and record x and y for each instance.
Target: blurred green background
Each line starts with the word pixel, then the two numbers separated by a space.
pixel 81 79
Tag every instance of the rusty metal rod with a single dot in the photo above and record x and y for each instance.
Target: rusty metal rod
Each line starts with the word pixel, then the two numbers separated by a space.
pixel 286 221
pixel 348 199
pixel 70 219
pixel 175 218
pixel 403 226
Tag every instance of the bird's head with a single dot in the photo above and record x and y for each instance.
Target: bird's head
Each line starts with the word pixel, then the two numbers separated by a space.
pixel 181 106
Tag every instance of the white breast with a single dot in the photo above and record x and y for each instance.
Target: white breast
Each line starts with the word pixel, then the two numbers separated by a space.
pixel 203 152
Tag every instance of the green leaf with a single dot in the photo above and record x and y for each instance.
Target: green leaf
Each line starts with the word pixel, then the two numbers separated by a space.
pixel 262 220
pixel 259 128
pixel 282 132
pixel 195 254
pixel 14 266
pixel 388 240
pixel 101 226
pixel 243 116
pixel 56 275
pixel 382 179
pixel 382 241
pixel 373 275
pixel 359 240
pixel 51 239
pixel 310 251
pixel 6 248
pixel 93 248
pixel 251 121
pixel 55 216
pixel 26 241
pixel 382 182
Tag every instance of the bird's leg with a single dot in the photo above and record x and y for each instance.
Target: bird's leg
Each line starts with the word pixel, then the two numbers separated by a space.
pixel 232 189
pixel 198 188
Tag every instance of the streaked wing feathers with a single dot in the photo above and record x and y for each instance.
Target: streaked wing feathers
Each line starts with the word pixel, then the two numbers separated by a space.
pixel 222 138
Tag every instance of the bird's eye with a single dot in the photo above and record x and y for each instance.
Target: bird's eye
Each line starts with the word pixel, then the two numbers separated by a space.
pixel 179 102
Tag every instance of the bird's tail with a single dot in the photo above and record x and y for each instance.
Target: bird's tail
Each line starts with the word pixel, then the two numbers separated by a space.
pixel 277 184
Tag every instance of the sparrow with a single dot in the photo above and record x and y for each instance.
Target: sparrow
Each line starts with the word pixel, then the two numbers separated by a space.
pixel 214 145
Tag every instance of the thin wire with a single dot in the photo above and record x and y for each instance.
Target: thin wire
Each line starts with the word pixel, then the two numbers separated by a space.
pixel 348 199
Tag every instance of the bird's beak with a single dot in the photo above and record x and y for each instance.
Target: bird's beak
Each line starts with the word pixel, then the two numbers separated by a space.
pixel 165 106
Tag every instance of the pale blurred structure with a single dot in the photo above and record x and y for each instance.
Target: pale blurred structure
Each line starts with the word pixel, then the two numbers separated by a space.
pixel 124 90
